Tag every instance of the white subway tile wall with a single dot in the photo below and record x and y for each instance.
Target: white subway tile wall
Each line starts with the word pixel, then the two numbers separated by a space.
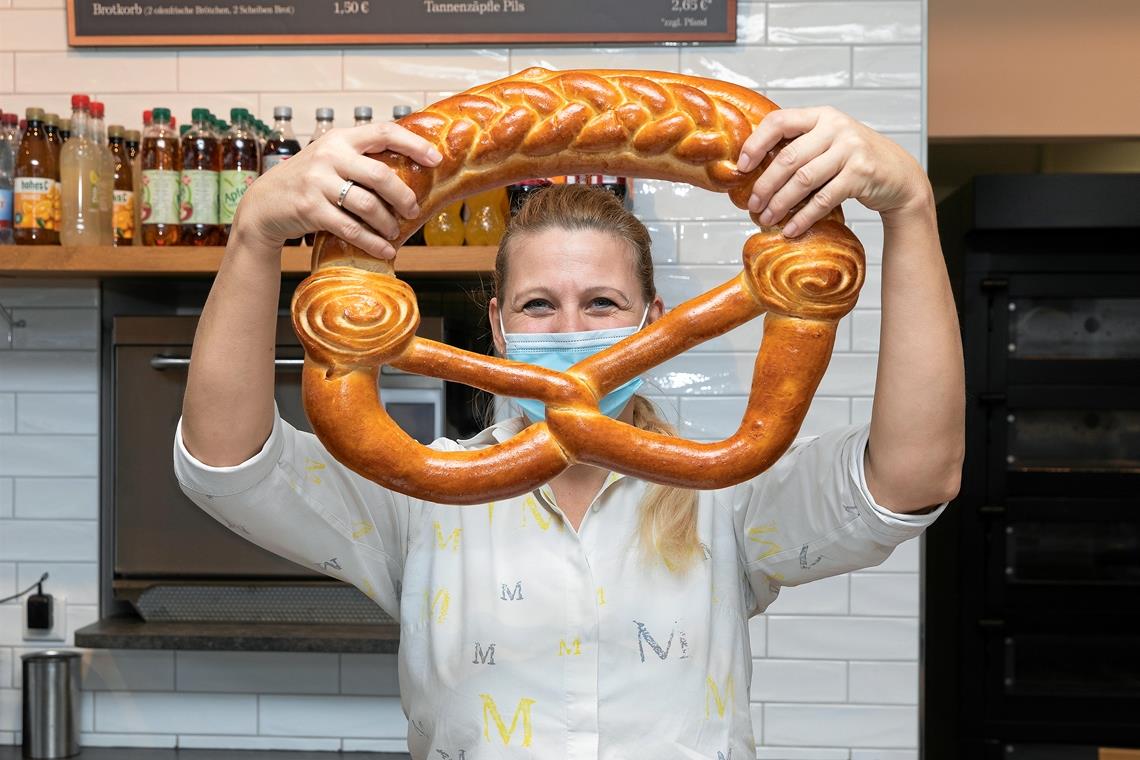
pixel 835 670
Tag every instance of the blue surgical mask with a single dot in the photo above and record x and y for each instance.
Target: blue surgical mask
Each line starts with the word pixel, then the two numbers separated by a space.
pixel 560 352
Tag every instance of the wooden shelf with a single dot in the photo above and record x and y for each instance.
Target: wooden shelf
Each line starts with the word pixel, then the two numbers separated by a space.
pixel 108 261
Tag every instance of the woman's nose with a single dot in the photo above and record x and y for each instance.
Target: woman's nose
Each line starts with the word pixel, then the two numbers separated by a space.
pixel 569 321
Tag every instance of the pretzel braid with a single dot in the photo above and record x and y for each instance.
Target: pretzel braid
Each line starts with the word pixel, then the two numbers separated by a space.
pixel 352 315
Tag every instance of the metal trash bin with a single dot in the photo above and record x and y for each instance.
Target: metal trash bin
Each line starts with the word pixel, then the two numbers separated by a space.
pixel 51 704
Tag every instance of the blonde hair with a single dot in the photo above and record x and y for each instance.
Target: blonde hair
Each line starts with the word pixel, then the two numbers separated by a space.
pixel 667 515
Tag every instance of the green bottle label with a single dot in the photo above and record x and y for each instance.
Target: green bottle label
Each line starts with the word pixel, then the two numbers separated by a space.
pixel 233 184
pixel 199 203
pixel 160 196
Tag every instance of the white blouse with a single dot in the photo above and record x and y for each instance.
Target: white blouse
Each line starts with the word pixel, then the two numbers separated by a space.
pixel 521 637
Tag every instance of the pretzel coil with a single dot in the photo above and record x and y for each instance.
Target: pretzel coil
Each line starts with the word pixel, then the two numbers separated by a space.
pixel 353 315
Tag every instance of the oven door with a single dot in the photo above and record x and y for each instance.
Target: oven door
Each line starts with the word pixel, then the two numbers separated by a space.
pixel 159 533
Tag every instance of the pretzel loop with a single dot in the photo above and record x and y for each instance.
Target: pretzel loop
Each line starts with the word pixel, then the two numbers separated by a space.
pixel 352 315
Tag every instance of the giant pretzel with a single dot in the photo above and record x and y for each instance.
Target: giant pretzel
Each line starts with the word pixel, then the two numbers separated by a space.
pixel 353 315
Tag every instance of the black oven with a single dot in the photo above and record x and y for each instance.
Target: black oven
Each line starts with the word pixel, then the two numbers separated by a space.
pixel 1032 579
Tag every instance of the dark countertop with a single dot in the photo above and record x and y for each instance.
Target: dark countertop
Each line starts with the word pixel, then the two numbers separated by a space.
pixel 135 633
pixel 9 752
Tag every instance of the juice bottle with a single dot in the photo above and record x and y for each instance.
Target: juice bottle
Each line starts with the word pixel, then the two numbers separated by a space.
pixel 35 190
pixel 201 163
pixel 51 127
pixel 79 169
pixel 105 188
pixel 485 224
pixel 446 227
pixel 123 208
pixel 324 124
pixel 280 145
pixel 240 161
pixel 7 165
pixel 64 130
pixel 134 151
pixel 160 181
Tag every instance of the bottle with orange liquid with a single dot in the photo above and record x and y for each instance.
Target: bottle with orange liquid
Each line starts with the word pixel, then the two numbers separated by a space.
pixel 446 227
pixel 485 223
pixel 35 189
pixel 201 164
pixel 160 181
pixel 123 207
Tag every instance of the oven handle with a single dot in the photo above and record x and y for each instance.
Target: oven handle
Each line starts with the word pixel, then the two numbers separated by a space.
pixel 160 362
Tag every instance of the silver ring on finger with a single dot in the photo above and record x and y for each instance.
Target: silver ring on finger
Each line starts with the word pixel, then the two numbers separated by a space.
pixel 343 192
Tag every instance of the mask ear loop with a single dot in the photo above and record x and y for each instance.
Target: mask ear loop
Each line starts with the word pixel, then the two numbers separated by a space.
pixel 502 329
pixel 644 316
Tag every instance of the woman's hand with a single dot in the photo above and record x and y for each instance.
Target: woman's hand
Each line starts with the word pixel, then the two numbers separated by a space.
pixel 300 195
pixel 834 155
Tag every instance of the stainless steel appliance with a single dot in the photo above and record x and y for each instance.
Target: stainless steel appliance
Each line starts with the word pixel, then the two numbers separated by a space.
pixel 164 559
pixel 159 533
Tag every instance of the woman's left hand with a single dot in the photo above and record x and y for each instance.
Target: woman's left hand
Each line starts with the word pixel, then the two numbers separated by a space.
pixel 833 155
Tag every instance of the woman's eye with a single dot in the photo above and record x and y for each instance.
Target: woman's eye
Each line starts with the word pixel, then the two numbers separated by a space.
pixel 602 303
pixel 537 304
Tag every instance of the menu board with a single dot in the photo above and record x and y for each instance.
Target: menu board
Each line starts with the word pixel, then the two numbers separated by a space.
pixel 378 22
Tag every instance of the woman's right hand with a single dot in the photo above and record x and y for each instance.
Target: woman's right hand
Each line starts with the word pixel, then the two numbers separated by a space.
pixel 300 195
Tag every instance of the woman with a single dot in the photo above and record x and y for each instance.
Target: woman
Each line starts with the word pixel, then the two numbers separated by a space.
pixel 598 616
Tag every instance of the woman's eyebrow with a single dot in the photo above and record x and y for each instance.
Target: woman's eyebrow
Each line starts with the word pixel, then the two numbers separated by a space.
pixel 539 291
pixel 610 292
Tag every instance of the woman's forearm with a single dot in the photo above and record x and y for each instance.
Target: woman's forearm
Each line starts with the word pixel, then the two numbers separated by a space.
pixel 227 412
pixel 914 457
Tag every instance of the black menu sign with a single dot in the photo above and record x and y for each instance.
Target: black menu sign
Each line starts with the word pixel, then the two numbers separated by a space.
pixel 372 22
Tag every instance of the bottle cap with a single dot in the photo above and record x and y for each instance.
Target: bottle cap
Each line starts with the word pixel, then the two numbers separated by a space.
pixel 282 113
pixel 96 109
pixel 51 119
pixel 324 114
pixel 80 102
pixel 115 130
pixel 183 129
pixel 160 116
pixel 11 119
pixel 362 112
pixel 198 114
pixel 133 135
pixel 399 112
pixel 148 117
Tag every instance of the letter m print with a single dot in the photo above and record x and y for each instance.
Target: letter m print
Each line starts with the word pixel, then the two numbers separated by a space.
pixel 509 594
pixel 644 638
